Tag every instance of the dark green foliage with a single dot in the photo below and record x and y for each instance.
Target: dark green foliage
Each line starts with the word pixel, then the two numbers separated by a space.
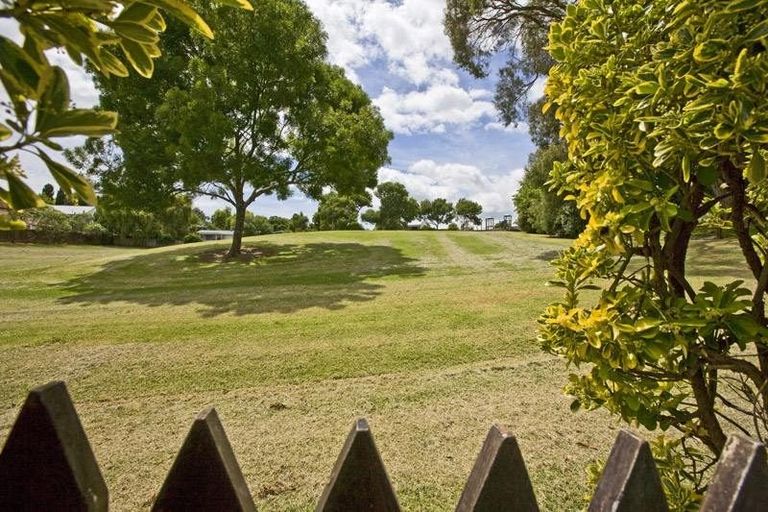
pixel 192 238
pixel 540 210
pixel 299 222
pixel 280 224
pixel 142 227
pixel 468 213
pixel 336 213
pixel 397 208
pixel 47 193
pixel 436 212
pixel 222 219
pixel 62 199
pixel 255 225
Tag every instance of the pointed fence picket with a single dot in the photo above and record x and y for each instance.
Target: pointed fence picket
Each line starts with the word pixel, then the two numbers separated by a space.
pixel 47 464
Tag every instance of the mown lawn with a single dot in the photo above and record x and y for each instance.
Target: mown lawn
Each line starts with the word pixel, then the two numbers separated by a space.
pixel 431 336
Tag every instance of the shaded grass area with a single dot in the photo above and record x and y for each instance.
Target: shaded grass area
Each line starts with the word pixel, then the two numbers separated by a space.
pixel 431 335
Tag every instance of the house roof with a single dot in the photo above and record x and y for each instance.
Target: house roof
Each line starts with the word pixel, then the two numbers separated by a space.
pixel 215 232
pixel 72 210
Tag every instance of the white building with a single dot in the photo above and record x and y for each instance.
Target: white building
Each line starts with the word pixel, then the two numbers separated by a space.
pixel 216 234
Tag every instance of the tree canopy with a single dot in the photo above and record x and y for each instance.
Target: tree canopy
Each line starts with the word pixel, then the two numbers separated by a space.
pixel 664 114
pixel 468 212
pixel 106 34
pixel 336 213
pixel 437 212
pixel 265 114
pixel 479 29
pixel 397 208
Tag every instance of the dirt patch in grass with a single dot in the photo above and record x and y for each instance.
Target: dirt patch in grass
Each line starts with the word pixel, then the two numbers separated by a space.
pixel 247 254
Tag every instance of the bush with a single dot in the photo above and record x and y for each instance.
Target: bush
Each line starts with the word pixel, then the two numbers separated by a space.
pixel 453 226
pixel 166 239
pixel 192 238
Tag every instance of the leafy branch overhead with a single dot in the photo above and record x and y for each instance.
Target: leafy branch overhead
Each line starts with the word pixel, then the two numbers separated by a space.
pixel 664 115
pixel 111 36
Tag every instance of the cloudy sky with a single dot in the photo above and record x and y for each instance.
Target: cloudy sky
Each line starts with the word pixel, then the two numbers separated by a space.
pixel 448 141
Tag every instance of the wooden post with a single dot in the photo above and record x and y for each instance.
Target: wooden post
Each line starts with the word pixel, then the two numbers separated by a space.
pixel 205 475
pixel 630 482
pixel 359 481
pixel 47 462
pixel 499 479
pixel 740 483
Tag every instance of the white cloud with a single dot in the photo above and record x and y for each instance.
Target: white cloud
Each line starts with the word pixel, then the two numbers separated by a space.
pixel 431 110
pixel 497 126
pixel 427 179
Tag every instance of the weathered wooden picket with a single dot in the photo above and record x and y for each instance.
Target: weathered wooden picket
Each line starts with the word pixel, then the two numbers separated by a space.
pixel 47 464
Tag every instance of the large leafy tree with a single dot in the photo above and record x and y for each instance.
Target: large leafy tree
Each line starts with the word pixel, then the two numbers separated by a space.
pixel 439 211
pixel 397 208
pixel 664 113
pixel 540 209
pixel 265 114
pixel 133 167
pixel 105 33
pixel 468 212
pixel 337 212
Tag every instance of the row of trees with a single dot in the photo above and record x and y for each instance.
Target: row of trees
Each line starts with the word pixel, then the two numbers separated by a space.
pixel 661 109
pixel 398 209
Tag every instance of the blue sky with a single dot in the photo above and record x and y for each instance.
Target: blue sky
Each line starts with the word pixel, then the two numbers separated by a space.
pixel 448 141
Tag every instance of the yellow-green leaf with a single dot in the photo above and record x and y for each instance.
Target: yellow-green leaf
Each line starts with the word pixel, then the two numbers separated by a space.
pixel 135 32
pixel 241 4
pixel 184 13
pixel 20 196
pixel 138 57
pixel 5 132
pixel 70 181
pixel 91 123
pixel 756 168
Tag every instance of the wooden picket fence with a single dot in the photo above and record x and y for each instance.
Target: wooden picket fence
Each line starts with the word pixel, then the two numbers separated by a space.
pixel 47 464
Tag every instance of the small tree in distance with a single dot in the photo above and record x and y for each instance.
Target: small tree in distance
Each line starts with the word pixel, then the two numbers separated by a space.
pixel 468 212
pixel 437 212
pixel 397 208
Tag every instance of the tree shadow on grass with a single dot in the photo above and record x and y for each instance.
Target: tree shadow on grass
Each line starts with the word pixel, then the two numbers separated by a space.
pixel 281 278
pixel 717 258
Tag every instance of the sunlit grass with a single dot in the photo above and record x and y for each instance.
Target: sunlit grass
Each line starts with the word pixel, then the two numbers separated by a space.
pixel 431 335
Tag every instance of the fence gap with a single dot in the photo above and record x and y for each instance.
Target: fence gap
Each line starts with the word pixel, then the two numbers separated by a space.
pixel 359 480
pixel 499 479
pixel 47 462
pixel 740 482
pixel 205 475
pixel 630 481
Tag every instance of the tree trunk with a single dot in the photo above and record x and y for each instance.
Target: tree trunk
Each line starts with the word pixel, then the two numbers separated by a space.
pixel 237 238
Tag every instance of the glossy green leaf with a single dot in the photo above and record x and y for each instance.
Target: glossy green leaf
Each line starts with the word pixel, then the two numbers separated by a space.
pixel 71 182
pixel 756 168
pixel 182 11
pixel 135 32
pixel 90 123
pixel 20 195
pixel 242 4
pixel 138 57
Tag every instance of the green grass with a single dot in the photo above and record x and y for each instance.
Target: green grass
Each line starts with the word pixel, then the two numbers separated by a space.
pixel 431 335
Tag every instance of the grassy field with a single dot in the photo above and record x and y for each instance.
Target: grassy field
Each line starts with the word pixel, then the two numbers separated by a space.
pixel 431 336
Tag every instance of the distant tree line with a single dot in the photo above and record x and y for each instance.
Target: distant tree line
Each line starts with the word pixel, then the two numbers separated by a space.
pixel 398 209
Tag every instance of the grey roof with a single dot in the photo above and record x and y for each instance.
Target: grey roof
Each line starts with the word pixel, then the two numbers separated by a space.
pixel 215 232
pixel 72 210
